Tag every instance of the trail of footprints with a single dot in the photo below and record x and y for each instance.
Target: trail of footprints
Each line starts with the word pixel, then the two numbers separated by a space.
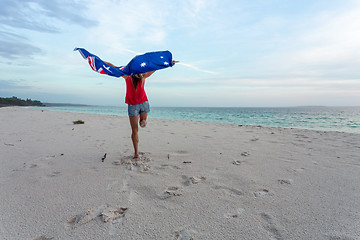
pixel 44 163
pixel 143 164
pixel 115 215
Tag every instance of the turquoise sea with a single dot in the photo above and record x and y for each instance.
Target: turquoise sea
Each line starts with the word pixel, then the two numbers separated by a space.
pixel 343 119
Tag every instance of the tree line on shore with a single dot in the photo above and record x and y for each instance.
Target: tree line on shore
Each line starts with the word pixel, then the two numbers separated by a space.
pixel 14 101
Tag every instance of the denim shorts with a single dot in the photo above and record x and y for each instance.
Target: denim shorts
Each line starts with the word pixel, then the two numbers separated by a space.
pixel 135 110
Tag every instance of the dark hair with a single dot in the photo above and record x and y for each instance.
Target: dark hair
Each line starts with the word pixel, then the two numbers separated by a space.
pixel 135 79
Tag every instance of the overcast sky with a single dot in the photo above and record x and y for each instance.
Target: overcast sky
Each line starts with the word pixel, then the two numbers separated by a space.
pixel 240 53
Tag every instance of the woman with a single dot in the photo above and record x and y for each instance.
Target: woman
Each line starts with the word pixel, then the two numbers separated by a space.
pixel 138 105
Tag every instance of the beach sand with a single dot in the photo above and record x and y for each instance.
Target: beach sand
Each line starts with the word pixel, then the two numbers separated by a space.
pixel 194 180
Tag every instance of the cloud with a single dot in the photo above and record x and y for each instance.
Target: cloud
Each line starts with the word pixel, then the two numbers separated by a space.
pixel 42 15
pixel 130 24
pixel 126 25
pixel 328 46
pixel 11 84
pixel 13 46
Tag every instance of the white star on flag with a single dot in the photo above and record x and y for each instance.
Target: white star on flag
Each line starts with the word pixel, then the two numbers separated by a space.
pixel 143 64
pixel 166 63
pixel 161 57
pixel 107 68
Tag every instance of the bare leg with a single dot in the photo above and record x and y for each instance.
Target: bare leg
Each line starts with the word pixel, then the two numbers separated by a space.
pixel 143 117
pixel 134 135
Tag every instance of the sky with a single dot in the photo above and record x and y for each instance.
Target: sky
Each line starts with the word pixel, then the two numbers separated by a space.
pixel 232 53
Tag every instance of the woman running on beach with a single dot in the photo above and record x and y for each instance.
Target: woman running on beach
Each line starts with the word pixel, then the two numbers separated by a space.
pixel 138 105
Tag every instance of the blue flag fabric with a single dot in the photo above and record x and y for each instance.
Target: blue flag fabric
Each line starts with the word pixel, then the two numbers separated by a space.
pixel 147 62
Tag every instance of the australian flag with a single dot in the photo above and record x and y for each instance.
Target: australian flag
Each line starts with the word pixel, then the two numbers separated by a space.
pixel 147 62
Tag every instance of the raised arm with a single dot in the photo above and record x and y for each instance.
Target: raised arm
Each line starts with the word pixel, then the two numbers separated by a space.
pixel 110 64
pixel 148 74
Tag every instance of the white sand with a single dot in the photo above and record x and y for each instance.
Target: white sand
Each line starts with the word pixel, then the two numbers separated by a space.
pixel 237 182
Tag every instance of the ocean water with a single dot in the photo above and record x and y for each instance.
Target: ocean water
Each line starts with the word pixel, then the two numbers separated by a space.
pixel 343 119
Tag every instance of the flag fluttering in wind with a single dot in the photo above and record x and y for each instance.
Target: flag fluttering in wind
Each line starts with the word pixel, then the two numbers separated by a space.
pixel 147 62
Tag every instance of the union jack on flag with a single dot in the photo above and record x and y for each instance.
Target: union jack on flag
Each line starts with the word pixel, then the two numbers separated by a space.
pixel 147 62
pixel 91 61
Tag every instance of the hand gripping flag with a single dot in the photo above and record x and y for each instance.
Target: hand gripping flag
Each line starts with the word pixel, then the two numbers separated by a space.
pixel 147 62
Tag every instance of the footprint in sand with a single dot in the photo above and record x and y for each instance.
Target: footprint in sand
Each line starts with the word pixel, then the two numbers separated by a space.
pixel 192 180
pixel 171 192
pixel 9 144
pixel 105 213
pixel 135 164
pixel 286 181
pixel 26 166
pixel 85 217
pixel 184 235
pixel 245 154
pixel 164 166
pixel 270 226
pixel 111 214
pixel 33 166
pixel 238 162
pixel 41 162
pixel 261 193
pixel 54 174
pixel 234 214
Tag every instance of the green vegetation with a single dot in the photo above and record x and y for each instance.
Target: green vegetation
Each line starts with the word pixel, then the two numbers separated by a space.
pixel 79 122
pixel 14 101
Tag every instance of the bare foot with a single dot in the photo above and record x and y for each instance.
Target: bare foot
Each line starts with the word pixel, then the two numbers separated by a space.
pixel 136 155
pixel 143 123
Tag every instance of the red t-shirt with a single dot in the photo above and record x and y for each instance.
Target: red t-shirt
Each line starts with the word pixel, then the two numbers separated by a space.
pixel 135 96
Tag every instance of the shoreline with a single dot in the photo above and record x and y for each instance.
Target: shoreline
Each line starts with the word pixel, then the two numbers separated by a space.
pixel 321 129
pixel 194 179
